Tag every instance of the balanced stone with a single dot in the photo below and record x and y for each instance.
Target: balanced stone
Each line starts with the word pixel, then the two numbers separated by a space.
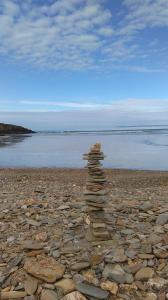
pixel 96 194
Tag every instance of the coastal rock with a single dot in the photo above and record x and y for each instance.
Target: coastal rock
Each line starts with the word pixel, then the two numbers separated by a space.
pixel 13 129
pixel 30 285
pixel 114 272
pixel 157 283
pixel 161 253
pixel 162 219
pixel 146 206
pixel 116 256
pixel 67 285
pixel 92 291
pixel 32 245
pixel 112 287
pixel 144 274
pixel 80 266
pixel 48 295
pixel 151 296
pixel 12 295
pixel 74 296
pixel 154 239
pixel 44 268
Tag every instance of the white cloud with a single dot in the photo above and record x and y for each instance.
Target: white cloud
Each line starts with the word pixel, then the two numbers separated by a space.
pixel 128 112
pixel 80 34
pixel 123 105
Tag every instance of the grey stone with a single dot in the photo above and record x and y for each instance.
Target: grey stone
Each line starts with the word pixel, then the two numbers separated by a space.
pixel 114 272
pixel 80 266
pixel 116 256
pixel 162 219
pixel 146 206
pixel 91 291
pixel 48 295
pixel 56 253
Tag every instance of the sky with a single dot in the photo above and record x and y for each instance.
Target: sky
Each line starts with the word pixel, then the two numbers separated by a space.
pixel 83 64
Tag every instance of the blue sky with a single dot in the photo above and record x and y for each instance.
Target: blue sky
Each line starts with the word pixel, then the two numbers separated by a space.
pixel 83 64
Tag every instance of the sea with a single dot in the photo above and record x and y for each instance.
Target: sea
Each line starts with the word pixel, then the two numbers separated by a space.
pixel 125 148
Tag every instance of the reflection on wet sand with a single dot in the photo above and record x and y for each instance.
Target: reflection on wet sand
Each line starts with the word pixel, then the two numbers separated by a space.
pixel 9 140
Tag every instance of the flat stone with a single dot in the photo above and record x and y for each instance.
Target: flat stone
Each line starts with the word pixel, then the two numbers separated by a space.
pixel 144 274
pixel 80 266
pixel 67 285
pixel 74 296
pixel 96 259
pixel 112 287
pixel 129 278
pixel 130 253
pixel 44 268
pixel 160 253
pixel 56 253
pixel 127 231
pixel 30 285
pixel 151 296
pixel 157 283
pixel 48 295
pixel 92 291
pixel 33 222
pixel 12 295
pixel 146 206
pixel 99 193
pixel 162 219
pixel 32 245
pixel 116 256
pixel 154 239
pixel 63 207
pixel 145 256
pixel 114 272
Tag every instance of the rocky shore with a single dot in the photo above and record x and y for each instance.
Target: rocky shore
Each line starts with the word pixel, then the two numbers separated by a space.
pixel 43 250
pixel 13 129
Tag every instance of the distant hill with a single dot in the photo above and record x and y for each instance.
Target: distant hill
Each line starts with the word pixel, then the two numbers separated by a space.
pixel 13 129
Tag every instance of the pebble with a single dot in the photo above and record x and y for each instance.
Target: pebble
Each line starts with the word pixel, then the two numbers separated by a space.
pixel 116 256
pixel 151 296
pixel 157 283
pixel 32 245
pixel 92 291
pixel 114 272
pixel 44 268
pixel 74 296
pixel 48 295
pixel 146 206
pixel 56 253
pixel 12 295
pixel 162 219
pixel 67 285
pixel 144 274
pixel 112 287
pixel 30 285
pixel 80 266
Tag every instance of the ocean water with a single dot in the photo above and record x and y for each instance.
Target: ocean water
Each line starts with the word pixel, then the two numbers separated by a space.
pixel 144 149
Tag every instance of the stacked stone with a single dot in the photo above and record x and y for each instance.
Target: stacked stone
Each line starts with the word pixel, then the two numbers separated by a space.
pixel 96 194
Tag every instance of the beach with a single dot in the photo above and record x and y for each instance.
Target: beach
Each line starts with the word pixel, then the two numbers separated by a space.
pixel 43 217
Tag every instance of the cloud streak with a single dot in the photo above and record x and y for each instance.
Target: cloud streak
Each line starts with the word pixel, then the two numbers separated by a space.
pixel 80 34
pixel 131 105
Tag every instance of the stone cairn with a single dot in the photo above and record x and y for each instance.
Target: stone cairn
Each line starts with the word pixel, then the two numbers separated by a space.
pixel 96 195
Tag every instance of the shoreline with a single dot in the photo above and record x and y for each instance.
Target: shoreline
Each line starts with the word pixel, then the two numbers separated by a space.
pixel 79 169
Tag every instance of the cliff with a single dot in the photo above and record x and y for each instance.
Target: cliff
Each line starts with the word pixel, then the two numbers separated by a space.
pixel 13 129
